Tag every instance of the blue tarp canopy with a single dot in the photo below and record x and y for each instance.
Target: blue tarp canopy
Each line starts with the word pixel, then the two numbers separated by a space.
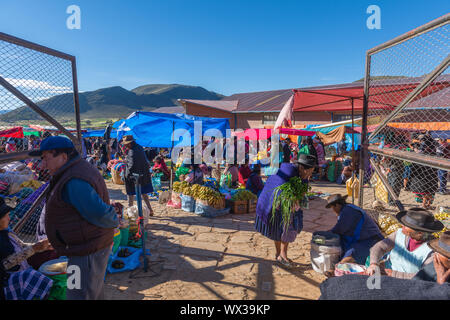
pixel 152 129
pixel 98 133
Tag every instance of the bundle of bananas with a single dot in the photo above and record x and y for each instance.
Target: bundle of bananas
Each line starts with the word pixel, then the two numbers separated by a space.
pixel 243 195
pixel 180 186
pixel 388 224
pixel 33 184
pixel 187 191
pixel 211 196
pixel 196 188
pixel 444 216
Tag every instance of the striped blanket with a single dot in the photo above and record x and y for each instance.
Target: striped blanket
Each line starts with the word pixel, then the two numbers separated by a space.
pixel 27 285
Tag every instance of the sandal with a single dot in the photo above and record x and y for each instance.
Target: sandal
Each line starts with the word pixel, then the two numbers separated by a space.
pixel 284 263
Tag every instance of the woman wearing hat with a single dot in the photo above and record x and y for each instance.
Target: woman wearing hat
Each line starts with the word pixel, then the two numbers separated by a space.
pixel 273 228
pixel 357 230
pixel 254 182
pixel 320 156
pixel 136 163
pixel 11 145
pixel 407 247
pixel 439 270
pixel 18 280
pixel 424 182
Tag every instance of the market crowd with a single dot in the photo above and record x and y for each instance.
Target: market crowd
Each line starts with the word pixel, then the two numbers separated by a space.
pixel 76 194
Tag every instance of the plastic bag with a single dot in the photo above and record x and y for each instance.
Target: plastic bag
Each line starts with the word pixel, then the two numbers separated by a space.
pixel 13 166
pixel 352 185
pixel 59 287
pixel 207 211
pixel 131 262
pixel 15 179
pixel 171 204
pixel 156 182
pixel 225 181
pixel 187 203
pixel 132 213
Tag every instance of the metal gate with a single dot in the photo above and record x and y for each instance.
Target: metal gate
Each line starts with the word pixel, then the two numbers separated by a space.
pixel 38 96
pixel 406 120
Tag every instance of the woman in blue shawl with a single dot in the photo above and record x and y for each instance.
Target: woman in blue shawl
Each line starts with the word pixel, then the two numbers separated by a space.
pixel 273 228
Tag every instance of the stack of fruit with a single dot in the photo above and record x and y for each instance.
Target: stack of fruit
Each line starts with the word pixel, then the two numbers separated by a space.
pixel 183 187
pixel 444 216
pixel 243 195
pixel 388 224
pixel 179 186
pixel 210 196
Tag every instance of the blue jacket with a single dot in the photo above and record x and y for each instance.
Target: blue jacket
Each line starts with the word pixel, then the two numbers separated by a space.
pixel 82 196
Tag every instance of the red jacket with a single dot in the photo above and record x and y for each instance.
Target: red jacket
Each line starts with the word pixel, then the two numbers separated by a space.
pixel 244 174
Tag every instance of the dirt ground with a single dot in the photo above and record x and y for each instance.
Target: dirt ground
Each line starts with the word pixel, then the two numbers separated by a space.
pixel 198 258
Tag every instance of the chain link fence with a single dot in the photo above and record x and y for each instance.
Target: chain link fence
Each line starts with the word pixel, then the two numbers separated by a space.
pixel 38 98
pixel 407 121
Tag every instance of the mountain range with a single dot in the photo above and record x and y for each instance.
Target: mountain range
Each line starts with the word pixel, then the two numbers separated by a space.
pixel 113 102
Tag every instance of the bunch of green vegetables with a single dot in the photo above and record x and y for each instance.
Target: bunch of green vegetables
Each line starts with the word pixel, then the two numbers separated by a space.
pixel 286 197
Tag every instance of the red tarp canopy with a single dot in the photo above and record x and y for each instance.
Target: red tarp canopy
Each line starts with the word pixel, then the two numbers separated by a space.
pixel 383 94
pixel 16 132
pixel 258 134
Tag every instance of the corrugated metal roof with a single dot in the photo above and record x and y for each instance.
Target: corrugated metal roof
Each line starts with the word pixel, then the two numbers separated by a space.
pixel 260 101
pixel 273 101
pixel 174 109
pixel 225 105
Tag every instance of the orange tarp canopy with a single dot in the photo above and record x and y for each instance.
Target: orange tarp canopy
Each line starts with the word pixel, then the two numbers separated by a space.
pixel 430 126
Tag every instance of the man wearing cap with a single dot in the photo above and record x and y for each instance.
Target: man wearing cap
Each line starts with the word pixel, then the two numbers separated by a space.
pixel 439 270
pixel 79 221
pixel 407 247
pixel 273 228
pixel 357 230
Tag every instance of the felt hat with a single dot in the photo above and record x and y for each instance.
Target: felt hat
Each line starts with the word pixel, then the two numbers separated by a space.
pixel 307 160
pixel 441 245
pixel 419 219
pixel 334 198
pixel 127 139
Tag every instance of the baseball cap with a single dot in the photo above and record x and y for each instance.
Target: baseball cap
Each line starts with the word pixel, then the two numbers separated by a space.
pixel 52 143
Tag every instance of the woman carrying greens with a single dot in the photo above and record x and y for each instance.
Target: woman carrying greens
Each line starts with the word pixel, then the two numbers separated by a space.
pixel 279 216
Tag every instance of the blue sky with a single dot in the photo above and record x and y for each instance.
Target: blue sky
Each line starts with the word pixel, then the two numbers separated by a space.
pixel 226 46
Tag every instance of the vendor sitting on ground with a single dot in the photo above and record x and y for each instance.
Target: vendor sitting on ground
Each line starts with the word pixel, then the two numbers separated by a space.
pixel 254 182
pixel 244 173
pixel 19 281
pixel 357 230
pixel 346 172
pixel 407 248
pixel 439 270
pixel 229 177
pixel 195 175
pixel 161 167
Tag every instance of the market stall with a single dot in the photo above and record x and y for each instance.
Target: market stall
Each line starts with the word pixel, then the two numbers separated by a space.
pixel 16 132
